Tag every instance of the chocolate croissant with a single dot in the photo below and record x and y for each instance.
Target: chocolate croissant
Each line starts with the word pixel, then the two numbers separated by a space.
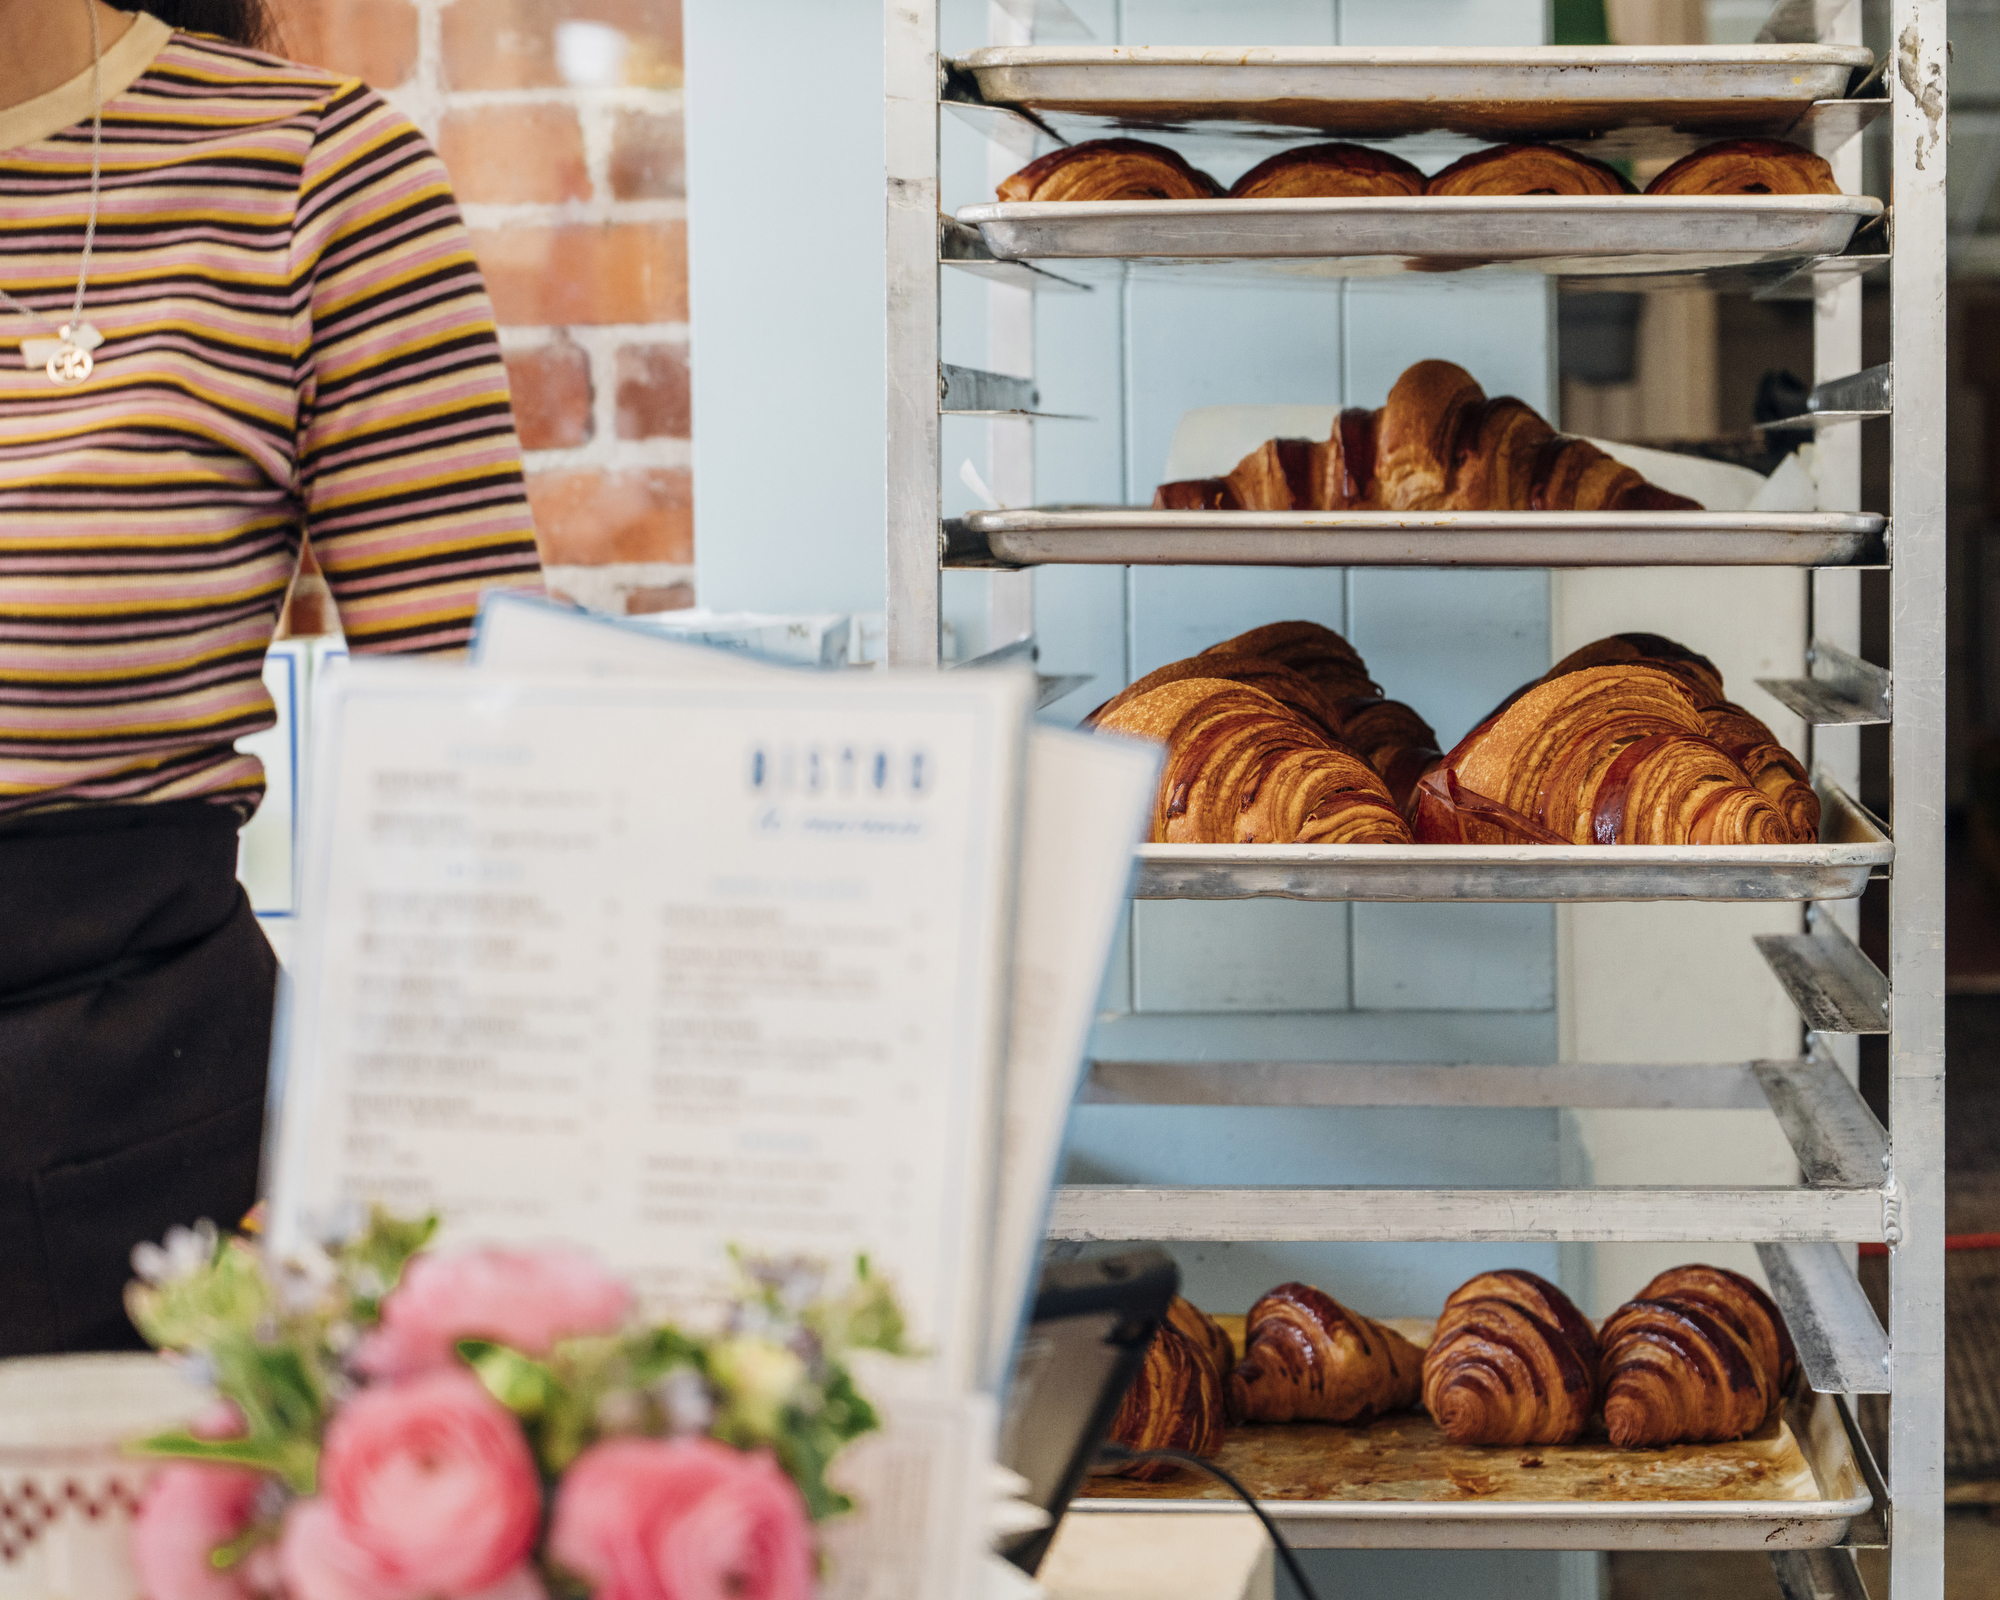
pixel 1748 166
pixel 1607 755
pixel 1306 1358
pixel 1175 1404
pixel 1775 772
pixel 1207 1335
pixel 1328 171
pixel 1512 1362
pixel 1241 768
pixel 1527 169
pixel 1110 169
pixel 1438 443
pixel 1677 1372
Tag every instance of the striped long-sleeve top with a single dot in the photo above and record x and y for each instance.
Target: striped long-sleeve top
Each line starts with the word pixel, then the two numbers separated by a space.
pixel 296 340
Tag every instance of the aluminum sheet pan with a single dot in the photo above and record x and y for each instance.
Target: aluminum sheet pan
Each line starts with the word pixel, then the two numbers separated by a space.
pixel 1579 236
pixel 1123 536
pixel 1396 1483
pixel 1698 92
pixel 1851 847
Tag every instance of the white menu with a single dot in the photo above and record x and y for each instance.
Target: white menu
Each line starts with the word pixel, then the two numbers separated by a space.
pixel 665 966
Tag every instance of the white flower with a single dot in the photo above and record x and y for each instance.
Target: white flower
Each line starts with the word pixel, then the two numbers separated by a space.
pixel 758 1378
pixel 185 1253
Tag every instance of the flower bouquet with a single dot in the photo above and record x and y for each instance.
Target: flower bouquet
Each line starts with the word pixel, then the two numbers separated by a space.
pixel 493 1425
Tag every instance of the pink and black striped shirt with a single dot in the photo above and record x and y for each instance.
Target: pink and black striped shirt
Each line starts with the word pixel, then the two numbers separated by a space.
pixel 296 342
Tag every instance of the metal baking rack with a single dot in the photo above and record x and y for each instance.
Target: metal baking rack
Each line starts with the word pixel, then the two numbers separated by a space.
pixel 1858 1184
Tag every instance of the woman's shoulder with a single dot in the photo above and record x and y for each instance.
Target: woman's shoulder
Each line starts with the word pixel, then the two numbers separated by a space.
pixel 196 73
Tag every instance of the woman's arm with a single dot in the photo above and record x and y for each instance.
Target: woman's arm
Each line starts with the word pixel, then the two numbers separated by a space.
pixel 409 471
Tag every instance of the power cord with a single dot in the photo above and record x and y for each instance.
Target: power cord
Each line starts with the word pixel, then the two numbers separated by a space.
pixel 1122 1455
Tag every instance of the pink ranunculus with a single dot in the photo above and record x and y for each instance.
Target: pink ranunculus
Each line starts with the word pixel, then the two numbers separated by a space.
pixel 190 1509
pixel 682 1519
pixel 526 1299
pixel 427 1492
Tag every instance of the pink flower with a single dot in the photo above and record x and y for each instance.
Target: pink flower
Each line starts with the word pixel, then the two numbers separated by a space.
pixel 427 1490
pixel 526 1299
pixel 682 1519
pixel 190 1509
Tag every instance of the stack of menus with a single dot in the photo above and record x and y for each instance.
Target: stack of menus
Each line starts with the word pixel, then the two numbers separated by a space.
pixel 669 952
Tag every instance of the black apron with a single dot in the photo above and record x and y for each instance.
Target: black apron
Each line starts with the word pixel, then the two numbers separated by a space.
pixel 135 1023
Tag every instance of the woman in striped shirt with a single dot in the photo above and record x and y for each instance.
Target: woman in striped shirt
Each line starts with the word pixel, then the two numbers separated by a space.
pixel 282 334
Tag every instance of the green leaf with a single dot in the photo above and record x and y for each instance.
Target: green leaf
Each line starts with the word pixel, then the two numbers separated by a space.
pixel 295 1461
pixel 523 1385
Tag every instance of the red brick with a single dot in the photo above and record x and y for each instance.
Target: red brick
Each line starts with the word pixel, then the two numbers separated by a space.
pixel 663 597
pixel 586 273
pixel 653 401
pixel 587 516
pixel 375 40
pixel 511 44
pixel 552 396
pixel 648 156
pixel 515 154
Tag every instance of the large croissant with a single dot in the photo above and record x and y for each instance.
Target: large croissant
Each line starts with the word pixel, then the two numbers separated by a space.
pixel 1777 774
pixel 1437 444
pixel 1606 755
pixel 1748 166
pixel 1306 1358
pixel 1328 171
pixel 1527 169
pixel 1677 1373
pixel 1176 1403
pixel 1512 1362
pixel 1740 1303
pixel 1110 169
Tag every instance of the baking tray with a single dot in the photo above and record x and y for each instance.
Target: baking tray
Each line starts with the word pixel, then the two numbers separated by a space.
pixel 1124 536
pixel 1575 236
pixel 1670 96
pixel 1852 846
pixel 1397 1482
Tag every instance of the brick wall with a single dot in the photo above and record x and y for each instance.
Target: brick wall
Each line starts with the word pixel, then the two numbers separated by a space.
pixel 561 123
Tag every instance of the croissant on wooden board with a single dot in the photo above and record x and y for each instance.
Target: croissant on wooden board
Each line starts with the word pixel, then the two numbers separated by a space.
pixel 1110 169
pixel 1176 1403
pixel 1512 1362
pixel 1744 737
pixel 1527 169
pixel 1701 1355
pixel 1614 754
pixel 1307 1358
pixel 1328 171
pixel 1438 443
pixel 1748 166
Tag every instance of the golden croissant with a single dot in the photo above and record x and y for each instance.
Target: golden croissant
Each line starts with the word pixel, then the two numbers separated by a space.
pixel 1307 1358
pixel 1607 755
pixel 1110 169
pixel 1328 171
pixel 1244 768
pixel 1527 169
pixel 1437 444
pixel 1748 166
pixel 1775 772
pixel 1176 1403
pixel 1512 1362
pixel 1677 1372
pixel 1740 1303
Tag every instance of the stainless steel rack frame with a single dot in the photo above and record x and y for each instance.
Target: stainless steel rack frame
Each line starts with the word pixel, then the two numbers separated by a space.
pixel 1860 1181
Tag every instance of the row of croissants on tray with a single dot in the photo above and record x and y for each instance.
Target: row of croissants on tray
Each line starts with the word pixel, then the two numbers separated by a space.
pixel 1701 1355
pixel 1134 169
pixel 1437 444
pixel 1279 736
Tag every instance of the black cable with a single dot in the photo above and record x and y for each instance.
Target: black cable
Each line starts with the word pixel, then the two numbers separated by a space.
pixel 1118 1454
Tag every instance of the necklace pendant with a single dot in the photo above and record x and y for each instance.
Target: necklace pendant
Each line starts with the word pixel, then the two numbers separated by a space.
pixel 66 358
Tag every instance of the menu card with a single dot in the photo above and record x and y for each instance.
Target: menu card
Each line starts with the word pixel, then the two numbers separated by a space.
pixel 665 965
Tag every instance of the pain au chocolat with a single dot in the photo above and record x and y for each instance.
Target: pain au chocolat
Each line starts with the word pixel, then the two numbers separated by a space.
pixel 1328 172
pixel 1527 169
pixel 1512 1362
pixel 1437 444
pixel 1748 166
pixel 1307 1358
pixel 1110 169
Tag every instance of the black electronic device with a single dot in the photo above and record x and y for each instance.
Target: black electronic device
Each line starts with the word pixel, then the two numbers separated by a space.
pixel 1083 1349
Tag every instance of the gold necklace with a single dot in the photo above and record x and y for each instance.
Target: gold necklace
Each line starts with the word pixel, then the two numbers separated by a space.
pixel 67 357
